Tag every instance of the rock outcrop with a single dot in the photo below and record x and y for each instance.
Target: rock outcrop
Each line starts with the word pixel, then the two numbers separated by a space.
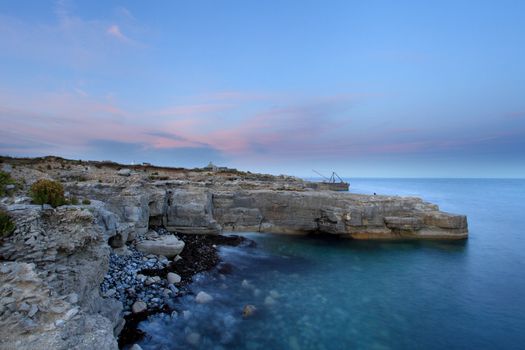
pixel 49 299
pixel 192 208
pixel 51 267
pixel 348 215
pixel 209 202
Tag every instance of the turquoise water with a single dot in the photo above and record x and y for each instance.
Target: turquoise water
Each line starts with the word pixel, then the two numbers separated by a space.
pixel 342 294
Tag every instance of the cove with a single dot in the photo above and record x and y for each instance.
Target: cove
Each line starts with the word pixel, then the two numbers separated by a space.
pixel 339 294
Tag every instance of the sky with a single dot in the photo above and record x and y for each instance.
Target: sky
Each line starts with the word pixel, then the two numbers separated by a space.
pixel 364 88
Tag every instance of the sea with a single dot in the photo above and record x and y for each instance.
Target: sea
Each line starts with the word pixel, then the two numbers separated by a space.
pixel 324 293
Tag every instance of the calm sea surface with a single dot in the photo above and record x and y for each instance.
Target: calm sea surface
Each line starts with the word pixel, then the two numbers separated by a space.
pixel 314 293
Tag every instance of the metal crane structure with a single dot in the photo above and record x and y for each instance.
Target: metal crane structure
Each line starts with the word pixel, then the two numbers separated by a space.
pixel 331 183
pixel 318 173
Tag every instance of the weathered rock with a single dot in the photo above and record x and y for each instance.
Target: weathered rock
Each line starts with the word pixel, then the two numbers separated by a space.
pixel 124 172
pixel 139 306
pixel 6 168
pixel 62 252
pixel 173 278
pixel 404 223
pixel 347 215
pixel 61 258
pixel 248 310
pixel 158 206
pixel 190 211
pixel 203 298
pixel 168 246
pixel 131 206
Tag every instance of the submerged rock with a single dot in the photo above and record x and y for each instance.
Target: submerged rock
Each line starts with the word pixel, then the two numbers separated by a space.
pixel 203 298
pixel 269 301
pixel 246 284
pixel 193 338
pixel 248 310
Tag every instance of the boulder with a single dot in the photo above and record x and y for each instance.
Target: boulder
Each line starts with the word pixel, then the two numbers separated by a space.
pixel 138 307
pixel 169 246
pixel 124 172
pixel 173 278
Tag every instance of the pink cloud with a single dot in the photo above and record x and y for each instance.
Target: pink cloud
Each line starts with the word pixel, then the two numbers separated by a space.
pixel 188 110
pixel 237 96
pixel 321 127
pixel 114 31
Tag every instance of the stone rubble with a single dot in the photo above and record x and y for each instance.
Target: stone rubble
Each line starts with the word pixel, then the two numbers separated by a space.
pixel 124 282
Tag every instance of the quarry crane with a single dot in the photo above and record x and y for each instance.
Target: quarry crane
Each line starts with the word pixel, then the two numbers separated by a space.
pixel 332 178
pixel 318 173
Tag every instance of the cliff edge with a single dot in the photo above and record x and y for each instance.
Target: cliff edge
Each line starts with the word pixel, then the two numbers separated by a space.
pixel 53 264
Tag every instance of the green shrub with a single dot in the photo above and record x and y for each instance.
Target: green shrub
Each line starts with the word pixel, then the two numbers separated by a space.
pixel 7 226
pixel 5 179
pixel 86 201
pixel 73 200
pixel 47 192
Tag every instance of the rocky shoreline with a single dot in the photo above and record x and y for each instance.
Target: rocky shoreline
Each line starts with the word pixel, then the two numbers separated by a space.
pixel 72 276
pixel 154 288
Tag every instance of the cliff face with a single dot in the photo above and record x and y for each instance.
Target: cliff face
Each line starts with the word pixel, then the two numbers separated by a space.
pixel 49 277
pixel 217 205
pixel 53 264
pixel 191 208
pixel 347 215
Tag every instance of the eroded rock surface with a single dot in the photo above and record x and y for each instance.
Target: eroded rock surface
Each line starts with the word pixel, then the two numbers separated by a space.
pixel 52 266
pixel 348 215
pixel 210 202
pixel 168 246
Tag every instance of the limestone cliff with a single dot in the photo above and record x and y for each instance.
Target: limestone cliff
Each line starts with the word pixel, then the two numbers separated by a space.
pixel 50 271
pixel 192 208
pixel 53 264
